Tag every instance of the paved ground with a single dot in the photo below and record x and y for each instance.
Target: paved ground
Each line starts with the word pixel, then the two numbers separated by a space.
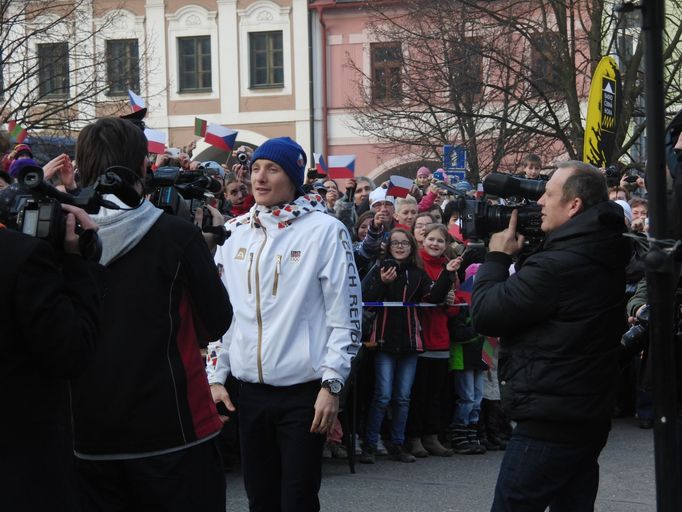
pixel 465 483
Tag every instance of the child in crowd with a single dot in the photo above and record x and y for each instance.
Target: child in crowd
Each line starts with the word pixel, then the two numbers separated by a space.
pixel 397 277
pixel 466 359
pixel 405 212
pixel 424 420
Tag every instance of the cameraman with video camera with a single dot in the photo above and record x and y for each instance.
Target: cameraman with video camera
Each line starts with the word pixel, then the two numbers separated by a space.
pixel 559 318
pixel 144 421
pixel 49 312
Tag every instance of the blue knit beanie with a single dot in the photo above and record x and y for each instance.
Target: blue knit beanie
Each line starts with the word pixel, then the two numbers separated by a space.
pixel 288 154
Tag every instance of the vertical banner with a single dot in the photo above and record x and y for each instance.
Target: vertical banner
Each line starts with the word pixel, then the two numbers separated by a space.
pixel 603 113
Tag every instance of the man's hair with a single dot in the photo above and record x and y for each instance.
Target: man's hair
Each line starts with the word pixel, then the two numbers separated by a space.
pixel 586 182
pixel 402 201
pixel 618 188
pixel 4 142
pixel 531 158
pixel 107 142
pixel 372 185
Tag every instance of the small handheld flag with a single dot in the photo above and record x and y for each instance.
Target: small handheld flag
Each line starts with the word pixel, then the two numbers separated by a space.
pixel 399 186
pixel 220 137
pixel 199 127
pixel 156 141
pixel 320 164
pixel 16 131
pixel 341 166
pixel 136 102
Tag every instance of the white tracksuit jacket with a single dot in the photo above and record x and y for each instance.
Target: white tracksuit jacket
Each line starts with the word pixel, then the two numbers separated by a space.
pixel 296 296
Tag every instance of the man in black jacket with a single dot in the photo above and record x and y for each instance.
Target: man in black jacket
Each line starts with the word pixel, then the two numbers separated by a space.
pixel 144 420
pixel 49 307
pixel 559 318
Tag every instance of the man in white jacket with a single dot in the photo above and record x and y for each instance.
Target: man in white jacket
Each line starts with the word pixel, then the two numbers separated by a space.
pixel 289 270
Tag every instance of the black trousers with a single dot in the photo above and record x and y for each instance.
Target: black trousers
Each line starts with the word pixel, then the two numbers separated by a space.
pixel 281 459
pixel 427 402
pixel 189 479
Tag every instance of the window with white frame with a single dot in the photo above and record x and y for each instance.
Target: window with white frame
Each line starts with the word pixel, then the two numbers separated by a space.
pixel 193 53
pixel 123 66
pixel 266 59
pixel 53 69
pixel 265 49
pixel 194 64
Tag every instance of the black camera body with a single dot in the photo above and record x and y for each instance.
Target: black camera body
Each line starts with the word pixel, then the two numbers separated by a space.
pixel 33 206
pixel 181 193
pixel 480 219
pixel 636 338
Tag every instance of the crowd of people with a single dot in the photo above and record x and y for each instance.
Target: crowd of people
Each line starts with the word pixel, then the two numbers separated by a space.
pixel 268 323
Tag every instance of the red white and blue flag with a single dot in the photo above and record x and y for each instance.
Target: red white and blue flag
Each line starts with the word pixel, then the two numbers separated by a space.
pixel 156 141
pixel 320 164
pixel 341 166
pixel 399 186
pixel 220 136
pixel 136 102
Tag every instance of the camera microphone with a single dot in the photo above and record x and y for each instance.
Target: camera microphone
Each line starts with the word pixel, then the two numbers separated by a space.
pixel 504 185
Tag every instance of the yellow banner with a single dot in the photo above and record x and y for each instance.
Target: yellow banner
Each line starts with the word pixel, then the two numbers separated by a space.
pixel 603 110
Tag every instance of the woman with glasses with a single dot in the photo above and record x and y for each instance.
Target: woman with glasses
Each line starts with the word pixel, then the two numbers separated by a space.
pixel 397 277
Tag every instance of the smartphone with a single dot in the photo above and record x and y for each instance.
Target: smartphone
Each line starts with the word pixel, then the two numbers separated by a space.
pixel 388 263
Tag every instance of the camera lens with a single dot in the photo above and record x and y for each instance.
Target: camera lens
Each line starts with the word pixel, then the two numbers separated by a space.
pixel 242 157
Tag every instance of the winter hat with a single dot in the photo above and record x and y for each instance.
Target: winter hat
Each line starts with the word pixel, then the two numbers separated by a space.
pixel 627 211
pixel 288 154
pixel 423 171
pixel 378 195
pixel 22 148
pixel 23 165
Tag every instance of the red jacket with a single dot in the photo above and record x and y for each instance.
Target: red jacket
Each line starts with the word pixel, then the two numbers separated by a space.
pixel 434 321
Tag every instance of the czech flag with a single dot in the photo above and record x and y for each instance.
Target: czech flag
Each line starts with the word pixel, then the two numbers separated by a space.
pixel 136 103
pixel 16 131
pixel 220 137
pixel 399 186
pixel 199 127
pixel 320 164
pixel 156 141
pixel 341 166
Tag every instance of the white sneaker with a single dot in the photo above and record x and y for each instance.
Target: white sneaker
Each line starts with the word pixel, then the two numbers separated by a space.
pixel 381 449
pixel 358 445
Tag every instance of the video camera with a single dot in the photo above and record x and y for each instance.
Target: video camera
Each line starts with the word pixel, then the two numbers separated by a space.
pixel 181 193
pixel 33 206
pixel 480 219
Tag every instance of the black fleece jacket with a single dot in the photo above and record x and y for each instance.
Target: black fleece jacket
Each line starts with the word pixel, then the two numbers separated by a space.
pixel 559 318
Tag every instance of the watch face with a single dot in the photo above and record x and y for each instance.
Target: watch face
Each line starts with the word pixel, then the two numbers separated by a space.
pixel 335 387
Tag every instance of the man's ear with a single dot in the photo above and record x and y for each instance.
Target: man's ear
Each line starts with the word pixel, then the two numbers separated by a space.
pixel 576 206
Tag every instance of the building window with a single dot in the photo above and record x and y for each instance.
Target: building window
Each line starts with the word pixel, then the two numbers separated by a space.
pixel 465 66
pixel 123 66
pixel 386 65
pixel 266 56
pixel 194 64
pixel 53 69
pixel 545 61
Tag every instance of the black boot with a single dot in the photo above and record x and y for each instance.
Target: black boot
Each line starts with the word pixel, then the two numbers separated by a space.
pixel 459 439
pixel 475 439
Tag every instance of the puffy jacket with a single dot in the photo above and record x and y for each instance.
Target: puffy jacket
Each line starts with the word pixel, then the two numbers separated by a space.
pixel 397 329
pixel 559 317
pixel 296 297
pixel 434 321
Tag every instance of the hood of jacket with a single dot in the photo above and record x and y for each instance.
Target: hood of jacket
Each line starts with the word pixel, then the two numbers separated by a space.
pixel 121 230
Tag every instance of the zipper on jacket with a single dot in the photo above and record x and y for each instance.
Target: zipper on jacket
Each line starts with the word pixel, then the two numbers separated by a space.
pixel 278 268
pixel 248 274
pixel 259 317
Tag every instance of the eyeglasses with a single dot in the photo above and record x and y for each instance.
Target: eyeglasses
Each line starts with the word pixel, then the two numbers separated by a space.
pixel 402 243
